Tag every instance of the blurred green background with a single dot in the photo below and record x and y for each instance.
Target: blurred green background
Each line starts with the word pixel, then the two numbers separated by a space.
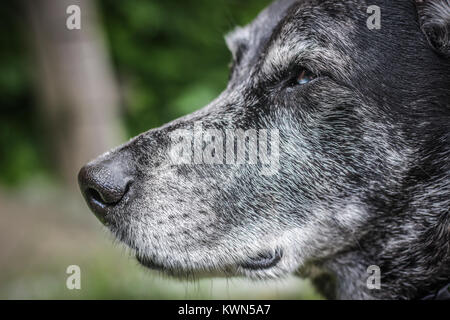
pixel 160 60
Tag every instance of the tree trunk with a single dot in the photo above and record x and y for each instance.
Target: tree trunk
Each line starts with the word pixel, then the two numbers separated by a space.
pixel 77 89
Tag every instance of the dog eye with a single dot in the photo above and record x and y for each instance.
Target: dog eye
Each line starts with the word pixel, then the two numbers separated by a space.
pixel 304 77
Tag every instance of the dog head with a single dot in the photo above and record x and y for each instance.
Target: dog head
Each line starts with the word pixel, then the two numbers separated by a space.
pixel 312 137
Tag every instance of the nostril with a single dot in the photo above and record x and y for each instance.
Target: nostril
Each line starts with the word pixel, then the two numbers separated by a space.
pixel 108 195
pixel 95 195
pixel 127 187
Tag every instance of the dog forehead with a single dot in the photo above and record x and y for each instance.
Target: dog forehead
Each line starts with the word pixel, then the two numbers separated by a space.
pixel 284 17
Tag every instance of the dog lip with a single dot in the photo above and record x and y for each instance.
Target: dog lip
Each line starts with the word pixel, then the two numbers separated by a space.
pixel 264 260
pixel 149 263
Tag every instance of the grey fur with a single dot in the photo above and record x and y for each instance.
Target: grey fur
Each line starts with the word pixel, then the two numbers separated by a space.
pixel 364 175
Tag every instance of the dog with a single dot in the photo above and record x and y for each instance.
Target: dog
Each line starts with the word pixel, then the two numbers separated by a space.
pixel 358 119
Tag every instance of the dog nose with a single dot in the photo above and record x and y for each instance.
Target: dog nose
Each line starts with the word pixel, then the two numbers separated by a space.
pixel 103 185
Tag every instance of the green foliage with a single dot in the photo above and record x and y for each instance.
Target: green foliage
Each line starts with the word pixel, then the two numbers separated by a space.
pixel 22 151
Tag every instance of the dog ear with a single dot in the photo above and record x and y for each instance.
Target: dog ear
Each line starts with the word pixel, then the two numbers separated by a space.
pixel 434 19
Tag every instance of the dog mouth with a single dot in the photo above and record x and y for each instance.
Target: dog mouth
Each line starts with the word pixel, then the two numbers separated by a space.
pixel 264 260
pixel 149 263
